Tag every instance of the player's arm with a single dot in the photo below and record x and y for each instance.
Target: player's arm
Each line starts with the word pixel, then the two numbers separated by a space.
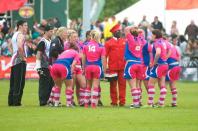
pixel 179 53
pixel 103 57
pixel 150 47
pixel 151 58
pixel 83 61
pixel 157 55
pixel 104 63
pixel 130 38
pixel 80 54
pixel 83 57
pixel 20 42
pixel 169 51
pixel 107 48
pixel 127 30
pixel 73 65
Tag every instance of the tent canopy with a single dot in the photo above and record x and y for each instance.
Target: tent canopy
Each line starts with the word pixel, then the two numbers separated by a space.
pixel 152 8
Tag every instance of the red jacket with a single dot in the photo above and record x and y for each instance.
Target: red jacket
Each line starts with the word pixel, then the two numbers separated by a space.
pixel 115 53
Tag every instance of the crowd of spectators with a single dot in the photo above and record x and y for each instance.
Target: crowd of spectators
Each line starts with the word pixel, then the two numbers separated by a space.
pixel 187 41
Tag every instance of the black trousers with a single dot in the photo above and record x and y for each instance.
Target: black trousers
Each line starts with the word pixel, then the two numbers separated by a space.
pixel 17 83
pixel 45 85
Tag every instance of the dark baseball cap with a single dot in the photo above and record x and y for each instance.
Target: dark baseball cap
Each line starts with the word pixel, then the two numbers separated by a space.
pixel 48 27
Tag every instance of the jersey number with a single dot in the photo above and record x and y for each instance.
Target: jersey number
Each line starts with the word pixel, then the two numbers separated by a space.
pixel 137 48
pixel 92 48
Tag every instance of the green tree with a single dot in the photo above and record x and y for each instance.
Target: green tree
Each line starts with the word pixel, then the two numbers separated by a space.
pixel 111 8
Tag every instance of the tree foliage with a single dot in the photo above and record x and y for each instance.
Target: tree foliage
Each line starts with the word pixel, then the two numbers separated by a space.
pixel 111 7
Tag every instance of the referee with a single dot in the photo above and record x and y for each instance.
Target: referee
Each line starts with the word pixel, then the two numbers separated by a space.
pixel 18 61
pixel 42 62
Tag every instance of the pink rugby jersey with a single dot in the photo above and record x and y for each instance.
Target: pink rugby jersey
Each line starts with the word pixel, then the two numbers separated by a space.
pixel 135 45
pixel 160 43
pixel 175 53
pixel 66 58
pixel 93 52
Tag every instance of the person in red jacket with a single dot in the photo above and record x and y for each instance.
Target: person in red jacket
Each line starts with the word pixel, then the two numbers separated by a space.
pixel 115 63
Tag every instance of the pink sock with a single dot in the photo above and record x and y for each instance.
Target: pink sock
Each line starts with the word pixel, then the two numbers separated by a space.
pixel 135 96
pixel 51 98
pixel 81 96
pixel 140 95
pixel 87 96
pixel 163 92
pixel 174 96
pixel 56 96
pixel 69 96
pixel 95 96
pixel 151 94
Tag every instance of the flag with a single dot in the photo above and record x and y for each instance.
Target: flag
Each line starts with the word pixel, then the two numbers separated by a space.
pixel 181 4
pixel 9 5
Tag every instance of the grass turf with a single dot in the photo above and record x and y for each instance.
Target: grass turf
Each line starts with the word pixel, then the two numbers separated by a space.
pixel 32 117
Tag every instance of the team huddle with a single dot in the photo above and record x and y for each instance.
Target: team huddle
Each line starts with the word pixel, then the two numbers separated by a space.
pixel 68 60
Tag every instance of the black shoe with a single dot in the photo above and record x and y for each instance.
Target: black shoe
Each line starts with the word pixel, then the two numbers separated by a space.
pixel 121 105
pixel 100 103
pixel 114 105
pixel 73 103
pixel 173 105
pixel 50 103
pixel 134 106
pixel 19 104
pixel 82 105
pixel 43 104
pixel 141 104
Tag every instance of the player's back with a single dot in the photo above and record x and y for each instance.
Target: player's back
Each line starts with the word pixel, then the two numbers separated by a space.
pixel 160 43
pixel 175 55
pixel 67 57
pixel 135 45
pixel 93 51
pixel 146 50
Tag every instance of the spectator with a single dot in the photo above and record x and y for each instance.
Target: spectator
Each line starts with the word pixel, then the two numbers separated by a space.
pixel 113 21
pixel 57 23
pixel 98 26
pixel 36 29
pixel 193 53
pixel 195 49
pixel 191 31
pixel 156 24
pixel 73 25
pixel 189 48
pixel 183 45
pixel 107 27
pixel 79 27
pixel 36 39
pixel 1 42
pixel 144 25
pixel 174 29
pixel 125 22
pixel 5 28
pixel 7 46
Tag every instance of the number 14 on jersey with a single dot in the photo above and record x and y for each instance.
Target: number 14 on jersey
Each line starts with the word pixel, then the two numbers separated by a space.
pixel 92 48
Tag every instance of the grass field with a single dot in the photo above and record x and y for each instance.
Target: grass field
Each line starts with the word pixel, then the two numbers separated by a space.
pixel 32 117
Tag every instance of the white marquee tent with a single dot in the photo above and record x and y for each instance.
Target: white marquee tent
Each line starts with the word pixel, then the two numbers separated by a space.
pixel 152 8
